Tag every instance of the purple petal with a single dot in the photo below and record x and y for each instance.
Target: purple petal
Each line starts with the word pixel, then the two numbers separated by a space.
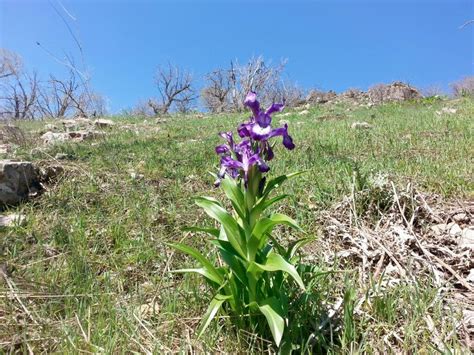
pixel 244 129
pixel 275 108
pixel 228 162
pixel 269 152
pixel 263 167
pixel 283 131
pixel 252 102
pixel 263 119
pixel 288 142
pixel 228 137
pixel 222 149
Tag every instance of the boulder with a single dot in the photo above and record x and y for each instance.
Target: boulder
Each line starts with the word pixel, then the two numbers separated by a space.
pixel 397 91
pixel 320 97
pixel 17 180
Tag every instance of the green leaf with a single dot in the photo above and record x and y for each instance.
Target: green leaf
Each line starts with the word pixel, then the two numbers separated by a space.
pixel 262 228
pixel 231 227
pixel 235 195
pixel 210 269
pixel 271 309
pixel 265 225
pixel 276 262
pixel 211 312
pixel 293 247
pixel 202 271
pixel 208 230
pixel 274 183
pixel 263 204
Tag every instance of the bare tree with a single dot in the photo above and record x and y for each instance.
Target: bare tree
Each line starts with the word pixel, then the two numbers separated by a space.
pixel 57 97
pixel 69 97
pixel 10 63
pixel 215 95
pixel 256 76
pixel 226 88
pixel 18 96
pixel 175 88
pixel 286 92
pixel 463 87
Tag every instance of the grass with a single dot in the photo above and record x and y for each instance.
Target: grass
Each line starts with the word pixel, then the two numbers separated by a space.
pixel 91 269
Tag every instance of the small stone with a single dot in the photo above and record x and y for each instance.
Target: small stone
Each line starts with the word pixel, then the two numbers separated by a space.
pixel 136 176
pixel 304 112
pixel 53 138
pixel 467 238
pixel 12 220
pixel 461 217
pixel 454 229
pixel 103 123
pixel 61 156
pixel 470 277
pixel 361 125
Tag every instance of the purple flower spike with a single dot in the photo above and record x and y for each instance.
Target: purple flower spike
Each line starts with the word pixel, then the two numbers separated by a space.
pixel 254 150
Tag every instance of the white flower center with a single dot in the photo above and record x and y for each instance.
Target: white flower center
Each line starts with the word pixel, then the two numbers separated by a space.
pixel 261 131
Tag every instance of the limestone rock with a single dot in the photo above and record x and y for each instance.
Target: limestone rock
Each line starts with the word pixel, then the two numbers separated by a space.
pixel 396 91
pixel 361 125
pixel 12 220
pixel 17 180
pixel 53 137
pixel 103 123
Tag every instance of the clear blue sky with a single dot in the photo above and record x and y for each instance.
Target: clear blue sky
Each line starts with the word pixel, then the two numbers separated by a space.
pixel 330 44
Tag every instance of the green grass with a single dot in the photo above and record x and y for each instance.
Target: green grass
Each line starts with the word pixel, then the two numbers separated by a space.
pixel 92 255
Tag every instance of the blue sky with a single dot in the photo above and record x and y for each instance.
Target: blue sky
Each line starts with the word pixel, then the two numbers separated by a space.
pixel 329 44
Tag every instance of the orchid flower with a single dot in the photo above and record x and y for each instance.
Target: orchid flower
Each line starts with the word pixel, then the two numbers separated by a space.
pixel 259 126
pixel 238 159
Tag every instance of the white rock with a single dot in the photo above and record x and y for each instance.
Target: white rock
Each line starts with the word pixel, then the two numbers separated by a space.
pixel 446 110
pixel 103 123
pixel 12 220
pixel 361 125
pixel 304 112
pixel 52 137
pixel 454 229
pixel 470 277
pixel 467 238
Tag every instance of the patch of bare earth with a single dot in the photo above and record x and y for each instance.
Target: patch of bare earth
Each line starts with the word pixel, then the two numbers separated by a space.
pixel 393 236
